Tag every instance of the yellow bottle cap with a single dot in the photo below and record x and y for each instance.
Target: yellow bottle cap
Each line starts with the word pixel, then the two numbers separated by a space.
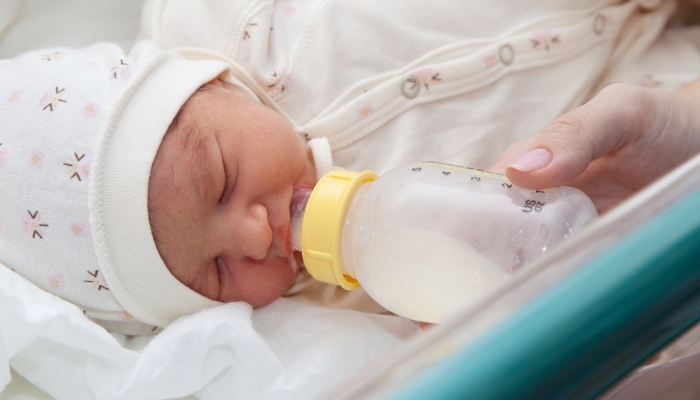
pixel 323 224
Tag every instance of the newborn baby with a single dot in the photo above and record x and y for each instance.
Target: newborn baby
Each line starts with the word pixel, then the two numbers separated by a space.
pixel 219 195
pixel 148 186
pixel 144 187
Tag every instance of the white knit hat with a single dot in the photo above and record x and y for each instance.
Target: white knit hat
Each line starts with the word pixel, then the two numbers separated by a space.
pixel 79 130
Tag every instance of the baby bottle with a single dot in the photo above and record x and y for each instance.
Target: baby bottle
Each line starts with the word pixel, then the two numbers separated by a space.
pixel 425 239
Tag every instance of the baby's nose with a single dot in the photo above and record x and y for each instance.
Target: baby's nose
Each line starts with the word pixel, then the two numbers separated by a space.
pixel 256 233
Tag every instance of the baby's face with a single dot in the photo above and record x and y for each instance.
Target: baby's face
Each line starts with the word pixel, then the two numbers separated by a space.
pixel 219 196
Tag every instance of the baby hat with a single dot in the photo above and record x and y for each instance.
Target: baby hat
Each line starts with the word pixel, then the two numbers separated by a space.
pixel 79 129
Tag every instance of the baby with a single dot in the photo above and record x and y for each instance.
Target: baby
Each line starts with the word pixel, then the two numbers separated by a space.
pixel 79 136
pixel 145 187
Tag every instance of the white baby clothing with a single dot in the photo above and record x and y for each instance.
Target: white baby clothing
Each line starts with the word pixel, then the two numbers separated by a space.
pixel 393 82
pixel 375 85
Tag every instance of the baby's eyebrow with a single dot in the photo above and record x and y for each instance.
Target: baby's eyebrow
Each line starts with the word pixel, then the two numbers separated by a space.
pixel 200 159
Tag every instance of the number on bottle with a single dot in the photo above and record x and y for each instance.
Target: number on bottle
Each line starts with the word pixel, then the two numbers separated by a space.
pixel 532 205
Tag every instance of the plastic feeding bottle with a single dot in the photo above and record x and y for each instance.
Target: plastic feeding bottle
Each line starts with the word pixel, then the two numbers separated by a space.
pixel 426 239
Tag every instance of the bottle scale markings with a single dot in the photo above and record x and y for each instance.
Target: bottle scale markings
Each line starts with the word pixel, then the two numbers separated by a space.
pixel 530 204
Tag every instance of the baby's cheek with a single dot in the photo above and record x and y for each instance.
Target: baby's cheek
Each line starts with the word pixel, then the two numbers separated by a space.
pixel 259 283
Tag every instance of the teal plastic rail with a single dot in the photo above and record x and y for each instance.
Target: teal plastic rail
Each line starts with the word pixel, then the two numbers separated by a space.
pixel 578 338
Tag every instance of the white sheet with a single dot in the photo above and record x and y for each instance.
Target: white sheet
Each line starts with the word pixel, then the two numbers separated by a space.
pixel 286 350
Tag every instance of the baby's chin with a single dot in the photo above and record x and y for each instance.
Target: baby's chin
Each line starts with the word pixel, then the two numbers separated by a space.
pixel 264 290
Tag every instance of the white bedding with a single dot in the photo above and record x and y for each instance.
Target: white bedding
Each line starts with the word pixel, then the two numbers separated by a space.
pixel 287 350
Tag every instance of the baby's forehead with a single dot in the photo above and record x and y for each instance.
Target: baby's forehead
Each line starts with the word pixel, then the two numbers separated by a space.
pixel 186 127
pixel 188 133
pixel 191 138
pixel 184 160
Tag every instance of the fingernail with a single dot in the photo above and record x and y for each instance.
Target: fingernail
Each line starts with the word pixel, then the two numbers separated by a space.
pixel 532 160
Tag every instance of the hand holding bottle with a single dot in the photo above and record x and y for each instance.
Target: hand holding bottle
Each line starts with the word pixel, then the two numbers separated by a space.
pixel 621 140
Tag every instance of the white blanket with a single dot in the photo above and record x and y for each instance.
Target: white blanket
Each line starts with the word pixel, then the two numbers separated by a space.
pixel 286 350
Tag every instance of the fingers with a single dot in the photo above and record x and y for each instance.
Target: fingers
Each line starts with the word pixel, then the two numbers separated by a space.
pixel 565 148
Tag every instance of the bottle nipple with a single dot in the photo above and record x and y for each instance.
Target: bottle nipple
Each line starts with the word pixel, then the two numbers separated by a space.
pixel 297 208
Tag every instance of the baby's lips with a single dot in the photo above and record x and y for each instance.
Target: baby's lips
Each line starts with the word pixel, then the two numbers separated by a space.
pixel 288 248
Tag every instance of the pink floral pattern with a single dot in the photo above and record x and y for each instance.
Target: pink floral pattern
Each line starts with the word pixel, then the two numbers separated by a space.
pixel 32 225
pixel 96 279
pixel 77 228
pixel 544 39
pixel 365 111
pixel 55 56
pixel 491 60
pixel 51 98
pixel 55 281
pixel 120 70
pixel 15 96
pixel 79 167
pixel 282 79
pixel 90 110
pixel 36 158
pixel 426 76
pixel 125 316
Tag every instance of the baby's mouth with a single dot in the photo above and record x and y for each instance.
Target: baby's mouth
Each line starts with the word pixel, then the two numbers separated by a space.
pixel 286 240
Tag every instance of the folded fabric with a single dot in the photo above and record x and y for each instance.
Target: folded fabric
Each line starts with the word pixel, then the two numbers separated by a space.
pixel 286 350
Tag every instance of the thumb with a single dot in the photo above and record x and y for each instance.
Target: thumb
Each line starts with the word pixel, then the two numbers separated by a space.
pixel 565 148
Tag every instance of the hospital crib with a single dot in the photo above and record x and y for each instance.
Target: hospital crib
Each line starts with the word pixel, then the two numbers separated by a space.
pixel 576 323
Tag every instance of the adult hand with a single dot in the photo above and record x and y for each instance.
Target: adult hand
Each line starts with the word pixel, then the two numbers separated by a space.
pixel 621 140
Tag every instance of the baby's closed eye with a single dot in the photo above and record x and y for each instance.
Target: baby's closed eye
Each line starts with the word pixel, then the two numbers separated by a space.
pixel 228 186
